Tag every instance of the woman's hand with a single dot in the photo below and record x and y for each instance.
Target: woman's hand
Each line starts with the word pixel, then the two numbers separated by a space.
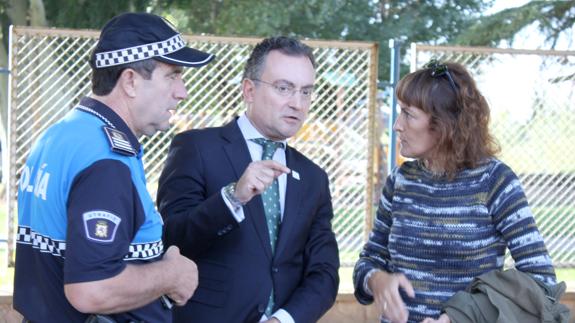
pixel 385 289
pixel 442 319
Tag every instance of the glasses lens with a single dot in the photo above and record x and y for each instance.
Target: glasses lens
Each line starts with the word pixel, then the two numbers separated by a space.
pixel 288 90
pixel 284 90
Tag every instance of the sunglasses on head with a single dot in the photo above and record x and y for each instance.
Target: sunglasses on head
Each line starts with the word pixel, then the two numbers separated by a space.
pixel 438 69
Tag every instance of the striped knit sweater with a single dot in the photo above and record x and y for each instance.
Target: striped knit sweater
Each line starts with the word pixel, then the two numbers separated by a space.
pixel 441 234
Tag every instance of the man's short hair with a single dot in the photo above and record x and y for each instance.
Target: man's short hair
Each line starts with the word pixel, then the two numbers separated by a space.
pixel 286 45
pixel 104 79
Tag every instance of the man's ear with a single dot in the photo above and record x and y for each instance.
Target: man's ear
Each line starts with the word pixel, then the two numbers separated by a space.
pixel 248 90
pixel 127 82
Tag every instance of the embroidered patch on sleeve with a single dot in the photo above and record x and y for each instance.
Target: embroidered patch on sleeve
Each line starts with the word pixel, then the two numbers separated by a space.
pixel 101 226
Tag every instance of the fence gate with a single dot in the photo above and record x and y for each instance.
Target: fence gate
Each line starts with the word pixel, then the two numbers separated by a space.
pixel 50 73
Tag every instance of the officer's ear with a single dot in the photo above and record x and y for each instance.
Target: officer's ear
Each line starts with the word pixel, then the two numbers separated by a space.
pixel 127 82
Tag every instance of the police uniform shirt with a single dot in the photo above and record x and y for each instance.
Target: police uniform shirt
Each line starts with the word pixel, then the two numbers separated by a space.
pixel 84 213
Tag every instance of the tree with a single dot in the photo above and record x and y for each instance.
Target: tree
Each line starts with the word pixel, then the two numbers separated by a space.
pixel 358 20
pixel 553 18
pixel 86 14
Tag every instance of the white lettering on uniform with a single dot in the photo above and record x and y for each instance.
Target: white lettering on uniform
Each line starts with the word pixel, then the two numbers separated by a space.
pixel 41 180
pixel 24 178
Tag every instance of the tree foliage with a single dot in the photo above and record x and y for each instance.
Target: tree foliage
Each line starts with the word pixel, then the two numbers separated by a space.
pixel 88 14
pixel 552 17
pixel 358 20
pixel 430 21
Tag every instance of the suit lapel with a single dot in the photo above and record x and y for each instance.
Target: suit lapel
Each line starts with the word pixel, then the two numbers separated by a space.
pixel 236 148
pixel 292 201
pixel 239 157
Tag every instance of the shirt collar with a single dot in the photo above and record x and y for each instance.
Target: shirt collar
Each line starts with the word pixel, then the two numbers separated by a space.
pixel 112 117
pixel 250 132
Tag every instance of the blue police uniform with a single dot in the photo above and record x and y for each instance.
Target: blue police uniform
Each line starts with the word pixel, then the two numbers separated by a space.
pixel 84 213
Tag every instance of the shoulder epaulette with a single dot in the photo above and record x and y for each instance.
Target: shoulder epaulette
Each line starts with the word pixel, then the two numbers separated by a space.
pixel 119 142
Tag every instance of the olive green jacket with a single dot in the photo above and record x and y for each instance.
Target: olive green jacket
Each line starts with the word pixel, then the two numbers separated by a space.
pixel 509 296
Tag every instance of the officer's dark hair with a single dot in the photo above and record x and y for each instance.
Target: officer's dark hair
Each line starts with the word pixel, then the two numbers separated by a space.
pixel 286 45
pixel 104 79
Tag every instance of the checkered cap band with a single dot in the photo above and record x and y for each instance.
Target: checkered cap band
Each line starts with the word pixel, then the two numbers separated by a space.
pixel 138 53
pixel 45 244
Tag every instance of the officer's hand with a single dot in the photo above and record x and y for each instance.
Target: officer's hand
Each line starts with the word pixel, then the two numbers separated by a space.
pixel 385 287
pixel 184 273
pixel 257 177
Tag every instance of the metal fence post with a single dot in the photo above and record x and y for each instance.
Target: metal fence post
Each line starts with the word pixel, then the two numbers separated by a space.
pixel 394 78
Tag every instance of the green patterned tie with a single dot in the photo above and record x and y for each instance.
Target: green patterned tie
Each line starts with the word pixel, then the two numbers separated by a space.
pixel 271 200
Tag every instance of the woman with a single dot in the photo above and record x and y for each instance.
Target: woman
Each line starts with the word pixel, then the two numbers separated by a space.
pixel 448 215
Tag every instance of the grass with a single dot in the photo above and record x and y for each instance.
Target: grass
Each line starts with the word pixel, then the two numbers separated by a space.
pixel 6 274
pixel 6 280
pixel 567 275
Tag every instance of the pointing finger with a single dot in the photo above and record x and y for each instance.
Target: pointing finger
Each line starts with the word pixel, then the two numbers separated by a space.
pixel 277 167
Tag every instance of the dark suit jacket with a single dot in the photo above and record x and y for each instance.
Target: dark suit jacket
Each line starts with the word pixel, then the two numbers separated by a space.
pixel 236 267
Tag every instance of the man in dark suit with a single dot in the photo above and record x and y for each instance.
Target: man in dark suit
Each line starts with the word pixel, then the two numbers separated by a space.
pixel 252 212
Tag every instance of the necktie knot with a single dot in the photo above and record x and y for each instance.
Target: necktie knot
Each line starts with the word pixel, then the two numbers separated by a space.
pixel 269 147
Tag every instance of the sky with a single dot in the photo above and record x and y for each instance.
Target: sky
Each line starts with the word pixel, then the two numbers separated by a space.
pixel 513 94
pixel 512 83
pixel 499 5
pixel 530 37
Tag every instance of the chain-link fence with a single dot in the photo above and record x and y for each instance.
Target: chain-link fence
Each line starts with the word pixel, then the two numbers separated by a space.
pixel 49 74
pixel 532 98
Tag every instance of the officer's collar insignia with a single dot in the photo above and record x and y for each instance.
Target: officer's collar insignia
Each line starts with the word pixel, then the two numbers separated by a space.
pixel 119 142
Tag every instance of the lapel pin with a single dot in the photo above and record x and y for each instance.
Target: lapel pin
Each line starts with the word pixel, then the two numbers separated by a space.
pixel 295 174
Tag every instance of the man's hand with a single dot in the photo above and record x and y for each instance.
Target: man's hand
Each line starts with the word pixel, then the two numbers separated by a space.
pixel 257 177
pixel 272 320
pixel 385 289
pixel 184 273
pixel 442 319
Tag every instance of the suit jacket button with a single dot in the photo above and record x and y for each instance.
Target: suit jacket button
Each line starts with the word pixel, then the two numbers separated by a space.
pixel 275 269
pixel 261 308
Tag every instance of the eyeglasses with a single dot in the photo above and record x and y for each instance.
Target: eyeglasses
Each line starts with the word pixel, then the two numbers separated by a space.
pixel 438 70
pixel 288 90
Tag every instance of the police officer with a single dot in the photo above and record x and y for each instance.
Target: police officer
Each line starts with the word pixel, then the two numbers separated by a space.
pixel 89 237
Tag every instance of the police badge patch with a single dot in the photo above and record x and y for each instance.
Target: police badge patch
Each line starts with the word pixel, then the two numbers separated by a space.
pixel 101 226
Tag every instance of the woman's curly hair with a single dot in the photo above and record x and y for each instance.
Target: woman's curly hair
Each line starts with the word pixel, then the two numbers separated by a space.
pixel 459 114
